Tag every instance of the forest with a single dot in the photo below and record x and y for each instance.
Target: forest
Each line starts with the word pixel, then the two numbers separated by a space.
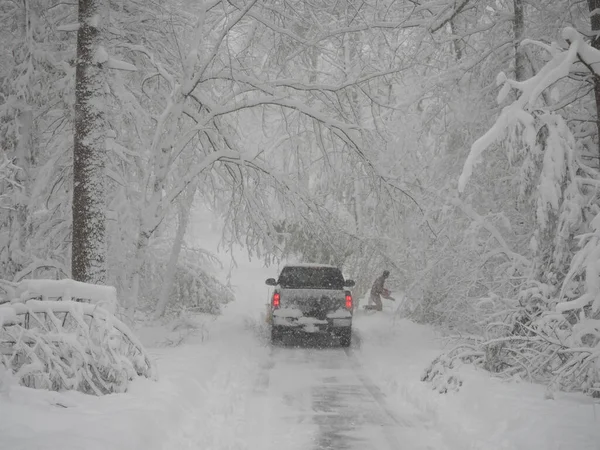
pixel 452 142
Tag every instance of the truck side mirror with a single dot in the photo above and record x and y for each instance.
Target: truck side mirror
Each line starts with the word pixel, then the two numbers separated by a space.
pixel 349 283
pixel 271 282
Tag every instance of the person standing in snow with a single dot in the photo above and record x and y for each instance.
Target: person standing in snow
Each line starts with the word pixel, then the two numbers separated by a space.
pixel 377 291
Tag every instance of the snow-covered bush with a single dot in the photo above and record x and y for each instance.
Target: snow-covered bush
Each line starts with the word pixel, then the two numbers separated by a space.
pixel 185 326
pixel 69 345
pixel 199 291
pixel 195 285
pixel 442 374
pixel 549 330
pixel 469 274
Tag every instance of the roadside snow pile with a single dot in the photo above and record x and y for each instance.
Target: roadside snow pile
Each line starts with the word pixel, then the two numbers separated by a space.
pixel 487 413
pixel 174 332
pixel 199 402
pixel 67 345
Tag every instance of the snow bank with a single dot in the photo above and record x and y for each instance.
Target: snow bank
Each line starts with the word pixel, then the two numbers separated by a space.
pixel 7 316
pixel 199 401
pixel 156 334
pixel 486 413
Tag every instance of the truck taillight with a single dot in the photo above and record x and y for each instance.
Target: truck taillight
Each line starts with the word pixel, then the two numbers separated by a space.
pixel 348 300
pixel 277 298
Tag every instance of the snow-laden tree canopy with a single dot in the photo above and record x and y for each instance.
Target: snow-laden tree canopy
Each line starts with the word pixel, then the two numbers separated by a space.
pixel 370 136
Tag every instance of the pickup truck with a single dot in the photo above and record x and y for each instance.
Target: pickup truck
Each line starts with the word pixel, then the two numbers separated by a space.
pixel 312 298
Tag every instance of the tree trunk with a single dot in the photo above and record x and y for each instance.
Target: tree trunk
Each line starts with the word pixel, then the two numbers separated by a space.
pixel 136 265
pixel 184 215
pixel 594 6
pixel 519 30
pixel 88 258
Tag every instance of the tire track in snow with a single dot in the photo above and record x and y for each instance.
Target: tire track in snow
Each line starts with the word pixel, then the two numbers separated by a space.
pixel 320 397
pixel 351 411
pixel 268 424
pixel 374 390
pixel 259 408
pixel 262 382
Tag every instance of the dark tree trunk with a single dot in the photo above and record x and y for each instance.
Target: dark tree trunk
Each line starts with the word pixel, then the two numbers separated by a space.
pixel 89 151
pixel 594 5
pixel 519 30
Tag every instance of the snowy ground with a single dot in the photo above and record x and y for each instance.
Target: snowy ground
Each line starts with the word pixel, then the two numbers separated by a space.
pixel 486 413
pixel 227 388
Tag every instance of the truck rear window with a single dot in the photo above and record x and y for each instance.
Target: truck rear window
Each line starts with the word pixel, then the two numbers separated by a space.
pixel 311 278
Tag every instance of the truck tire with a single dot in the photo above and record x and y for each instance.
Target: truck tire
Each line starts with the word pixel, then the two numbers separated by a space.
pixel 345 337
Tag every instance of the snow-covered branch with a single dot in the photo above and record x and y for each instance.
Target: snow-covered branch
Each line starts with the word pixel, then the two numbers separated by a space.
pixel 518 112
pixel 473 215
pixel 157 65
pixel 191 84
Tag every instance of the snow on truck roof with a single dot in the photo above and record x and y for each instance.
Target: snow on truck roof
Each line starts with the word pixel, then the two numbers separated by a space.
pixel 328 266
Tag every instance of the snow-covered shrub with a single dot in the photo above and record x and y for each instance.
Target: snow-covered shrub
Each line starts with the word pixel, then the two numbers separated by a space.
pixel 199 291
pixel 468 279
pixel 66 345
pixel 442 372
pixel 183 327
pixel 195 285
pixel 549 331
pixel 446 297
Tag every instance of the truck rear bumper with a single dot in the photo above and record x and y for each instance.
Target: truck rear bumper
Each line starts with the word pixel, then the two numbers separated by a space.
pixel 311 324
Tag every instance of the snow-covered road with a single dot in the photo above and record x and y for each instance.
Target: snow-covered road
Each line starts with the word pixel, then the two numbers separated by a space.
pixel 227 388
pixel 325 391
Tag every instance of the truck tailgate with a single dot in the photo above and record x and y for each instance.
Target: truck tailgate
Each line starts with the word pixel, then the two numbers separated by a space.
pixel 313 302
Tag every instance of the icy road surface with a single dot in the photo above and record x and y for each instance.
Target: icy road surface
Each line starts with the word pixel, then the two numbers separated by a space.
pixel 326 392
